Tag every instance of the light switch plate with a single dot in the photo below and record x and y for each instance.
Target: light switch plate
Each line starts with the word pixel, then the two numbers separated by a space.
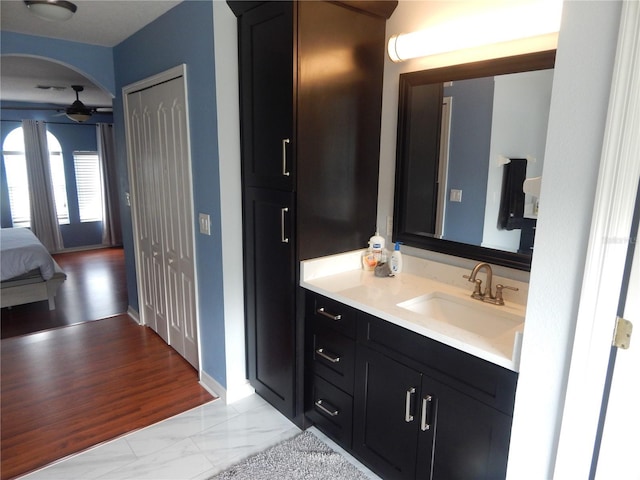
pixel 455 195
pixel 205 223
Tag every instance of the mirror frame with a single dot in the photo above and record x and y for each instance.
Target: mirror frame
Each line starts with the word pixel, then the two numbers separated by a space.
pixel 500 66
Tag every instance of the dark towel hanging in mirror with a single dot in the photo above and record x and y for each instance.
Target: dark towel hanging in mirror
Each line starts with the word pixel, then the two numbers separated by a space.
pixel 511 214
pixel 512 200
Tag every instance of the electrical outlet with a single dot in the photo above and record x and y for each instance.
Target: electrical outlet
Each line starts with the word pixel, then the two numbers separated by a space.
pixel 205 223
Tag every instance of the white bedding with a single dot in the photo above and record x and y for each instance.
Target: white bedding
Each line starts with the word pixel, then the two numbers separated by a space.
pixel 21 252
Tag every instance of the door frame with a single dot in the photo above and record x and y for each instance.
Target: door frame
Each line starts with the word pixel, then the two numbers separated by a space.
pixel 605 262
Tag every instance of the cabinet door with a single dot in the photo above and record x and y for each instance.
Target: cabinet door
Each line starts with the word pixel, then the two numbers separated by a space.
pixel 386 418
pixel 266 92
pixel 471 439
pixel 270 295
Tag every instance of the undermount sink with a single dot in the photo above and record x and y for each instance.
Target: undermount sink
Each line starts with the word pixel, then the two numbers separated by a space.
pixel 467 314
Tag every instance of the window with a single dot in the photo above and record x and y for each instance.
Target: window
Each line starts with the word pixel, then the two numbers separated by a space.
pixel 16 170
pixel 89 185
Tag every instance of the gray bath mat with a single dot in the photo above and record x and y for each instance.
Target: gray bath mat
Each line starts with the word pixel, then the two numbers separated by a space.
pixel 303 457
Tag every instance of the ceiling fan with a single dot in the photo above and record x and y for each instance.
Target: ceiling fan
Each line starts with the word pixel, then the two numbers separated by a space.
pixel 77 111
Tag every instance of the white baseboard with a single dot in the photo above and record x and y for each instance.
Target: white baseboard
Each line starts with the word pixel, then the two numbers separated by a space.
pixel 133 313
pixel 227 396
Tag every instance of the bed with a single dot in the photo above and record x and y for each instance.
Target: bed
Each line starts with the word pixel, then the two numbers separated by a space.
pixel 28 273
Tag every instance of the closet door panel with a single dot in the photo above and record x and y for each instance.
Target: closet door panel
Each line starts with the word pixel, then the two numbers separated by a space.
pixel 153 209
pixel 160 167
pixel 177 215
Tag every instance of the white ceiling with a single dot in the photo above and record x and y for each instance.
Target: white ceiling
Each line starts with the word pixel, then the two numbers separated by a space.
pixel 96 22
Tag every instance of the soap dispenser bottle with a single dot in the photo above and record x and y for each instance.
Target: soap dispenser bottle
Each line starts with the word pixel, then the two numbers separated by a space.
pixel 396 259
pixel 376 244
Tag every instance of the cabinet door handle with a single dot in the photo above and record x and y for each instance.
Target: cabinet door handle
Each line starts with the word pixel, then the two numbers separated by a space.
pixel 283 212
pixel 327 356
pixel 321 311
pixel 408 417
pixel 425 422
pixel 285 172
pixel 320 404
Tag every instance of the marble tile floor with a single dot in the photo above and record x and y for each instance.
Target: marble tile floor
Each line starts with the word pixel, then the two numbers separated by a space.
pixel 193 445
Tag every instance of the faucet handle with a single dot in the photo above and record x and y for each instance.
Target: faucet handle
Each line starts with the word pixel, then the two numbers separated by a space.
pixel 477 291
pixel 499 288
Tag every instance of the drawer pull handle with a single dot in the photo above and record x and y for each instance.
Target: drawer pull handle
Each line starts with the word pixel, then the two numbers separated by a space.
pixel 285 142
pixel 408 417
pixel 320 404
pixel 283 212
pixel 322 312
pixel 425 423
pixel 327 356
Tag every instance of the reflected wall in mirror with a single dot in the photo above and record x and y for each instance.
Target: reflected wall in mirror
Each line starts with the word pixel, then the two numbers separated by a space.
pixel 457 189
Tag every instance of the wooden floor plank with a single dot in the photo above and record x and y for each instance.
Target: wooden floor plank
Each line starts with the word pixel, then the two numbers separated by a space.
pixel 74 387
pixel 76 383
pixel 96 288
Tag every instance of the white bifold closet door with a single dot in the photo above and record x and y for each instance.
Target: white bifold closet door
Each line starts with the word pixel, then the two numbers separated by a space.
pixel 162 208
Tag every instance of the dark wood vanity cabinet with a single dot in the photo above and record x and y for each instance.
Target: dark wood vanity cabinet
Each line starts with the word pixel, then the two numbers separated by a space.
pixel 409 425
pixel 330 364
pixel 419 409
pixel 310 104
pixel 426 410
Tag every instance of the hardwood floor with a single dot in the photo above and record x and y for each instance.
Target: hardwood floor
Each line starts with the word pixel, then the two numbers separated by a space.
pixel 95 288
pixel 66 389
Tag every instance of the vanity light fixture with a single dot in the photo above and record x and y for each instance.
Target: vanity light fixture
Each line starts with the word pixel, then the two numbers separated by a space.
pixel 515 23
pixel 53 10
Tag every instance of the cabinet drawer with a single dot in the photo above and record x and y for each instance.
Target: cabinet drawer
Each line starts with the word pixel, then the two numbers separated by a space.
pixel 333 357
pixel 491 384
pixel 332 314
pixel 331 410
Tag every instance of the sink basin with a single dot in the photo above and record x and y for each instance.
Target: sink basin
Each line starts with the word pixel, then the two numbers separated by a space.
pixel 467 314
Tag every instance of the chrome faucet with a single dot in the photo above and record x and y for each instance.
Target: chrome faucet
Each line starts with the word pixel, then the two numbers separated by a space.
pixel 487 295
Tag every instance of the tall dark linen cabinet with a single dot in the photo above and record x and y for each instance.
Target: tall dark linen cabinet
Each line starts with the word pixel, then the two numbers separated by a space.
pixel 310 100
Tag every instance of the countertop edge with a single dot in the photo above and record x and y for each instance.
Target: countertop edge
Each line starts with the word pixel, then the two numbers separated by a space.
pixel 509 364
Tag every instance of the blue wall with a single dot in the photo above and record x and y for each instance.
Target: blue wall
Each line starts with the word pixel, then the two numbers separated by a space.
pixel 184 35
pixel 471 115
pixel 92 61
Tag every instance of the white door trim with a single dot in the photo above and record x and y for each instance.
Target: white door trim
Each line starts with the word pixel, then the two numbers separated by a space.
pixel 611 224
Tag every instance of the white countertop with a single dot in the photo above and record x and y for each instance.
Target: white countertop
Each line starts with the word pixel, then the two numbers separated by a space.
pixel 342 278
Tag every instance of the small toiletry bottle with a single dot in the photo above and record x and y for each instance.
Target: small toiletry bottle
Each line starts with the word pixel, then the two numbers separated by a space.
pixel 396 259
pixel 376 244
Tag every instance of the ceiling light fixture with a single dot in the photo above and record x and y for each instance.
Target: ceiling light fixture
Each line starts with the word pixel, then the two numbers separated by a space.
pixel 54 10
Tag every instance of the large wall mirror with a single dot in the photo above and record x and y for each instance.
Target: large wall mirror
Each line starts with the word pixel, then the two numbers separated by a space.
pixel 470 152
